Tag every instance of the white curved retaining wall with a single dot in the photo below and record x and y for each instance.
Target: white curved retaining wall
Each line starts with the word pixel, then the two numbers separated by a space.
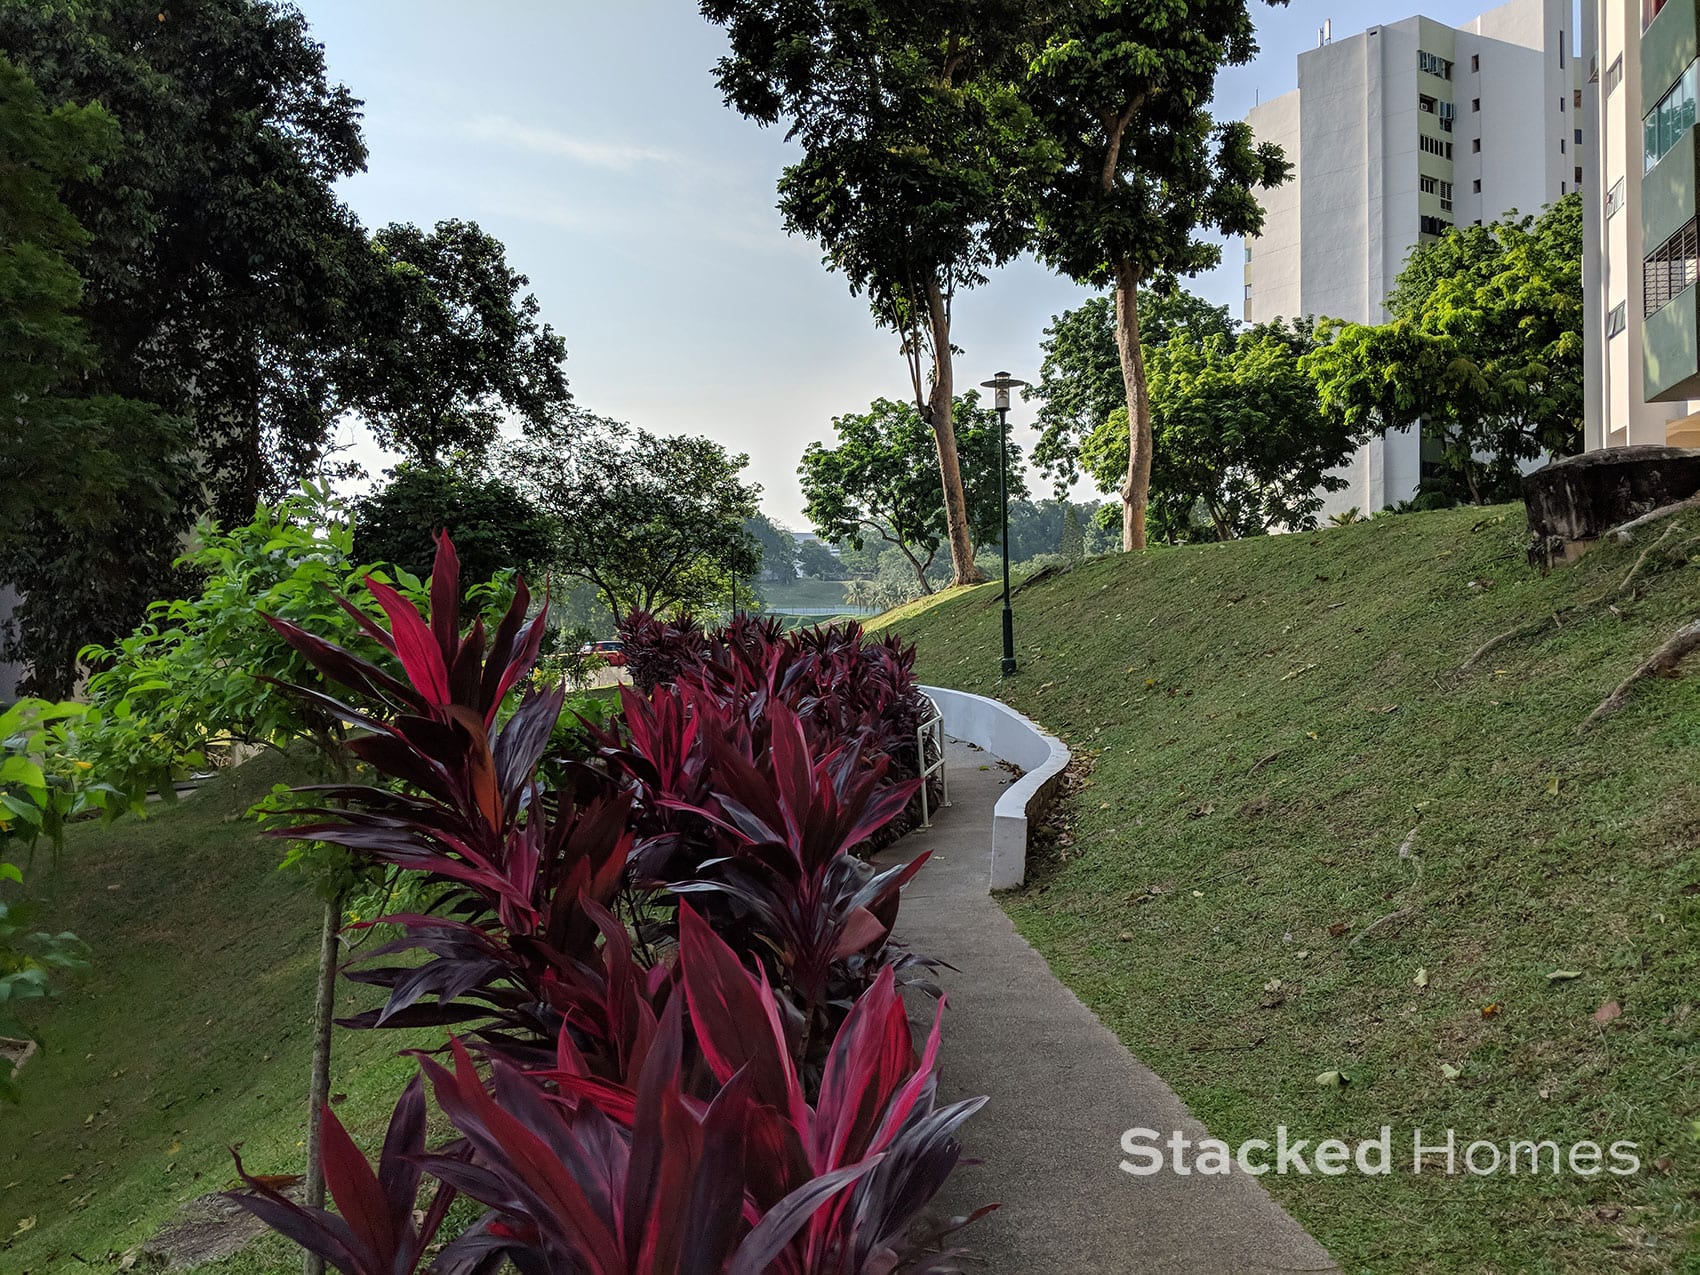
pixel 1007 735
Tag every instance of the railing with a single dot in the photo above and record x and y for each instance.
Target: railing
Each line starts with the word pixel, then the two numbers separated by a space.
pixel 931 729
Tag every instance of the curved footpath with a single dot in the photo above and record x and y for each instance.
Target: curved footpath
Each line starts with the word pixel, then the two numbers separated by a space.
pixel 1063 1089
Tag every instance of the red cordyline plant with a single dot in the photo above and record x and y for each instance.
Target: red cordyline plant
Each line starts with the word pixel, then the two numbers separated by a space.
pixel 735 1174
pixel 523 942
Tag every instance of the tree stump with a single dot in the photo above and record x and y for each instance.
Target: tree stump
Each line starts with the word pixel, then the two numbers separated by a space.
pixel 1574 501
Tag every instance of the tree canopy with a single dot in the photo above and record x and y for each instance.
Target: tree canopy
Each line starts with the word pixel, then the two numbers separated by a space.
pixel 1080 381
pixel 451 344
pixel 494 525
pixel 880 480
pixel 1484 349
pixel 653 521
pixel 1243 446
pixel 1144 174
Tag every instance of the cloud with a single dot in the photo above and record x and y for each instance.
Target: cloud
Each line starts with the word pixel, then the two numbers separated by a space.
pixel 606 153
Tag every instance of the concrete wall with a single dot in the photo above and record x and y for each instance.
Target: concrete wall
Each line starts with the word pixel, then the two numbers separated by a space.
pixel 1011 737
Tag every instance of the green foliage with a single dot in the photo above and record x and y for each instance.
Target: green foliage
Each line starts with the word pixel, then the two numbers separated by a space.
pixel 43 785
pixel 778 548
pixel 882 479
pixel 451 346
pixel 494 524
pixel 817 562
pixel 654 522
pixel 221 273
pixel 1080 381
pixel 1242 445
pixel 1145 174
pixel 81 473
pixel 1485 350
pixel 197 675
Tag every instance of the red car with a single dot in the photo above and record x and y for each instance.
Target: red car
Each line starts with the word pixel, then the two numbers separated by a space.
pixel 610 651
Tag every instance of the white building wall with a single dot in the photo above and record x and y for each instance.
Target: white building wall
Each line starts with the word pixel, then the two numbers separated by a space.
pixel 1356 213
pixel 1618 413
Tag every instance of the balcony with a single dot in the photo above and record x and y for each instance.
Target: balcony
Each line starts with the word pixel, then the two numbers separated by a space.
pixel 1670 350
pixel 1668 192
pixel 1670 42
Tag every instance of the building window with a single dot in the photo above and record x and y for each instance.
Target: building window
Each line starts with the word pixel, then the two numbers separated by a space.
pixel 1561 50
pixel 1614 75
pixel 1476 62
pixel 1649 11
pixel 1617 320
pixel 1248 292
pixel 1428 185
pixel 1561 149
pixel 1671 269
pixel 1578 137
pixel 1475 104
pixel 1447 111
pixel 1445 196
pixel 1426 103
pixel 1476 145
pixel 1614 199
pixel 1433 225
pixel 1476 186
pixel 1578 177
pixel 1434 64
pixel 1435 146
pixel 1561 106
pixel 1667 122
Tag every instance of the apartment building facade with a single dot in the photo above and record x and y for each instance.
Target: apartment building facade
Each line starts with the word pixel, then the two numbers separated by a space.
pixel 1639 270
pixel 1395 135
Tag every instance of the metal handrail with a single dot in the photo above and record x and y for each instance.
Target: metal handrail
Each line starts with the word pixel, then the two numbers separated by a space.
pixel 931 727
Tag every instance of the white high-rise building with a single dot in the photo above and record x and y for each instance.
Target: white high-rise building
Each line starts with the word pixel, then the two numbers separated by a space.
pixel 1638 273
pixel 1396 134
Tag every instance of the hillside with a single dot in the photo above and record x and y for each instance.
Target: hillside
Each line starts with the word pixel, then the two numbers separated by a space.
pixel 189 1034
pixel 1309 844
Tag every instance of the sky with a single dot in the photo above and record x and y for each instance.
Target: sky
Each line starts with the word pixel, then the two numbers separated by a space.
pixel 588 136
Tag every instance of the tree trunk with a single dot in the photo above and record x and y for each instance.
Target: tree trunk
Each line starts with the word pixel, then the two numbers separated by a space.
pixel 941 417
pixel 319 1088
pixel 1136 486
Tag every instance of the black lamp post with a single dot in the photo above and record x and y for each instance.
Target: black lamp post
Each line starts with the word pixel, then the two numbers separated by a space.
pixel 1001 385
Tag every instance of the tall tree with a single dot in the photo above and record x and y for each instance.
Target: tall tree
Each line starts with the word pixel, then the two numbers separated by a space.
pixel 778 548
pixel 916 166
pixel 220 269
pixel 880 479
pixel 450 344
pixel 653 521
pixel 80 473
pixel 1242 444
pixel 1080 380
pixel 1484 351
pixel 1122 88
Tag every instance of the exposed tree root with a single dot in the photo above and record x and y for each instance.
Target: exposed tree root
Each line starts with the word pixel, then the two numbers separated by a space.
pixel 1677 648
pixel 1642 560
pixel 1528 629
pixel 1623 530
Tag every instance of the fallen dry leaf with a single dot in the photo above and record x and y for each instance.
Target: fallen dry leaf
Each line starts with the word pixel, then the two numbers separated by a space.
pixel 1492 1010
pixel 1607 1012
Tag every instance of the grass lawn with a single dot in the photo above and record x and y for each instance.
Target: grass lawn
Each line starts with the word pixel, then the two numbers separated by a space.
pixel 189 1034
pixel 1271 722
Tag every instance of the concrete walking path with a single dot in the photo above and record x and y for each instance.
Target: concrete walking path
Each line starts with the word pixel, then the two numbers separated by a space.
pixel 1062 1089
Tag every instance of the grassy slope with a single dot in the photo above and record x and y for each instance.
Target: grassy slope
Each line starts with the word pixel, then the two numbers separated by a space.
pixel 1270 719
pixel 190 1034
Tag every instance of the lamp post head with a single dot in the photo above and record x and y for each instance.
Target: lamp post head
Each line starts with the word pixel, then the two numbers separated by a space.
pixel 1002 384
